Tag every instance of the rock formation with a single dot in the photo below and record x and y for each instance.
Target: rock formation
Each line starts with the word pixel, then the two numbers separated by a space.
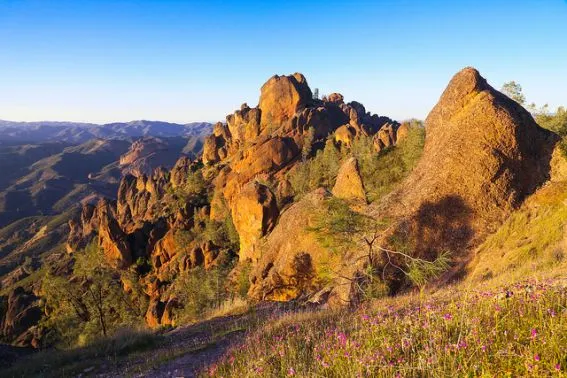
pixel 22 313
pixel 254 214
pixel 282 97
pixel 245 161
pixel 291 255
pixel 483 155
pixel 349 185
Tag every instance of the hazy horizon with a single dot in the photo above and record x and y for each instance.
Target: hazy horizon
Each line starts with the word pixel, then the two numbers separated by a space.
pixel 103 61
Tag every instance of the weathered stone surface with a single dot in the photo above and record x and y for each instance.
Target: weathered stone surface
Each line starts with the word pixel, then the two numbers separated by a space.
pixel 336 98
pixel 254 213
pixel 112 240
pixel 290 255
pixel 349 184
pixel 483 155
pixel 283 96
pixel 402 132
pixel 345 135
pixel 21 312
pixel 154 313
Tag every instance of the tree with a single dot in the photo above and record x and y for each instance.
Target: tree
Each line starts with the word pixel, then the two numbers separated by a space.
pixel 514 91
pixel 339 228
pixel 307 143
pixel 91 302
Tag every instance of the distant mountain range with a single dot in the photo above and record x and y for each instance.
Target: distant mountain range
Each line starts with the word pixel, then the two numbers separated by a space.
pixel 47 167
pixel 76 133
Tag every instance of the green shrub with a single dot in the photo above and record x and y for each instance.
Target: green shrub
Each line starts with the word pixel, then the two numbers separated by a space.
pixel 381 171
pixel 321 171
pixel 557 123
pixel 88 305
pixel 199 291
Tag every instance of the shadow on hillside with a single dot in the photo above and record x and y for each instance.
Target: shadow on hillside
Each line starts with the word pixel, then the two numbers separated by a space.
pixel 437 226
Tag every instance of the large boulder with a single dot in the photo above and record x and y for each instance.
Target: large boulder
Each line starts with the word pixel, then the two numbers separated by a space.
pixel 283 96
pixel 254 213
pixel 483 155
pixel 349 184
pixel 293 262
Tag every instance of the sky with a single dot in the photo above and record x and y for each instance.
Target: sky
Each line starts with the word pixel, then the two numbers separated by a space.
pixel 182 61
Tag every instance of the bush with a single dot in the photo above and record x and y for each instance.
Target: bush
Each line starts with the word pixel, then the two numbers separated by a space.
pixel 380 172
pixel 90 304
pixel 200 291
pixel 557 123
pixel 321 171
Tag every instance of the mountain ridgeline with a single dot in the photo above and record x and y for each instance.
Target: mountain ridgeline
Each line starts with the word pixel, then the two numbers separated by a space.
pixel 282 202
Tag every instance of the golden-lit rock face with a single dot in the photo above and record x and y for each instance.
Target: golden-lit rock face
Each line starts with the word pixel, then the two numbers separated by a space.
pixel 483 155
pixel 291 254
pixel 349 185
pixel 254 214
pixel 282 97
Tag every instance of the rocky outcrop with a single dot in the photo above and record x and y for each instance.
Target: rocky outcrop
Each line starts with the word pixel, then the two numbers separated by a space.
pixel 112 240
pixel 254 214
pixel 245 162
pixel 349 184
pixel 282 97
pixel 483 155
pixel 291 255
pixel 22 313
pixel 294 263
pixel 138 198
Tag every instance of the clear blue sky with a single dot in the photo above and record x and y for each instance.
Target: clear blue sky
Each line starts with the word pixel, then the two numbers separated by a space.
pixel 183 61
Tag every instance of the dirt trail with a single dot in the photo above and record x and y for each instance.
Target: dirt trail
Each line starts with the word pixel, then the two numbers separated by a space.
pixel 186 351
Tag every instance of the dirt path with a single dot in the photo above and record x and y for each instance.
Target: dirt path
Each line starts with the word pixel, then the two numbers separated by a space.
pixel 188 350
pixel 190 364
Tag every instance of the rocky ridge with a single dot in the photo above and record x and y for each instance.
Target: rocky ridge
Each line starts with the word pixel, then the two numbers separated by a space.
pixel 483 155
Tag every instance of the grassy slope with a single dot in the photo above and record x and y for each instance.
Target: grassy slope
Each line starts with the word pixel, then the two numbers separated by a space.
pixel 533 239
pixel 519 330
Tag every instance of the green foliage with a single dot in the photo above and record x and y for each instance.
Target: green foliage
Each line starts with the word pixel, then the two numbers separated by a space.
pixel 380 172
pixel 307 143
pixel 514 91
pixel 89 305
pixel 422 271
pixel 243 279
pixel 193 190
pixel 222 234
pixel 339 228
pixel 321 171
pixel 555 122
pixel 200 291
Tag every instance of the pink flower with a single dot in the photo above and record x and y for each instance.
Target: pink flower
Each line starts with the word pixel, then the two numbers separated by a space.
pixel 557 367
pixel 447 316
pixel 534 333
pixel 291 371
pixel 537 357
pixel 342 338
